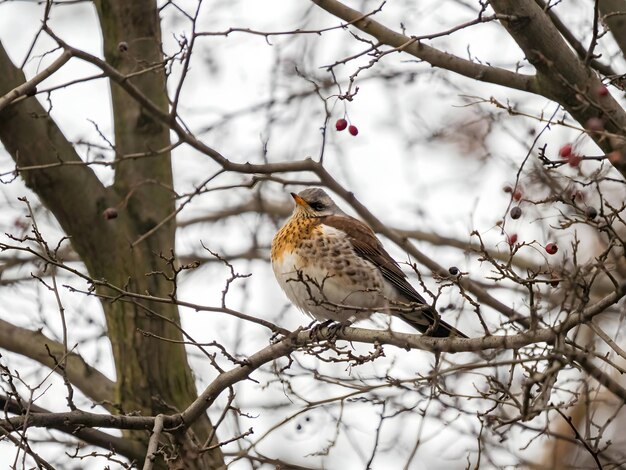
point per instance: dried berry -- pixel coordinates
(578, 195)
(516, 212)
(109, 213)
(594, 124)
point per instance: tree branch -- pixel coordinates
(73, 193)
(129, 449)
(614, 16)
(562, 76)
(30, 85)
(604, 69)
(435, 57)
(32, 344)
(298, 339)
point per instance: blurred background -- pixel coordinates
(439, 158)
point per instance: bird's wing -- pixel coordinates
(368, 246)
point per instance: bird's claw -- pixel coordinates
(333, 329)
(316, 330)
(338, 327)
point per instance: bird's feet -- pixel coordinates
(332, 326)
(338, 327)
(316, 330)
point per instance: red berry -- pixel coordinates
(511, 239)
(353, 130)
(603, 90)
(109, 213)
(517, 194)
(565, 151)
(574, 160)
(551, 248)
(341, 124)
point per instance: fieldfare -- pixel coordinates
(333, 267)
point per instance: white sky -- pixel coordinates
(407, 180)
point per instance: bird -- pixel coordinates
(333, 267)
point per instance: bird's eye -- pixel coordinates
(316, 206)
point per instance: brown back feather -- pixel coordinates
(369, 247)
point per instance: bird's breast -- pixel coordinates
(322, 274)
(291, 238)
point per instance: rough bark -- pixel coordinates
(614, 16)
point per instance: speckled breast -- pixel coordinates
(321, 274)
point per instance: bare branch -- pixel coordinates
(32, 344)
(427, 53)
(30, 86)
(153, 445)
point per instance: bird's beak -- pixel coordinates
(299, 200)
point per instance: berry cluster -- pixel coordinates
(341, 124)
(567, 152)
(516, 212)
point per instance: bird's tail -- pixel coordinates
(433, 327)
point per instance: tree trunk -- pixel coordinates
(153, 376)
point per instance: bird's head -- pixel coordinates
(314, 202)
